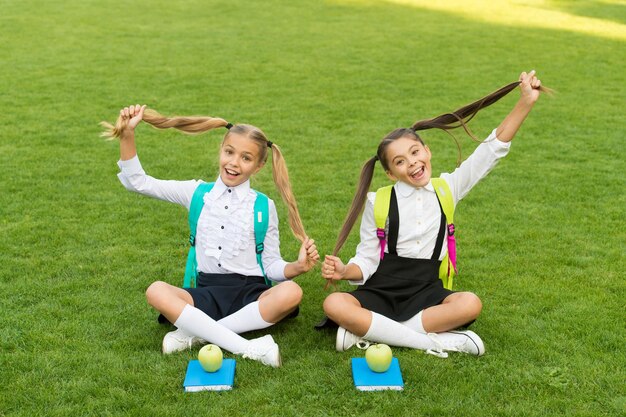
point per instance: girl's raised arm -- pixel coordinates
(131, 116)
(529, 87)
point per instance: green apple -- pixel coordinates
(210, 357)
(378, 357)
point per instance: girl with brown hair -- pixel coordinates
(400, 300)
(231, 296)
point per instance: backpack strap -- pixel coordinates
(441, 235)
(197, 203)
(444, 195)
(261, 222)
(381, 211)
(386, 207)
(394, 224)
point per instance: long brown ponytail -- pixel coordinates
(462, 116)
(445, 122)
(367, 172)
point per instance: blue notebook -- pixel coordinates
(197, 379)
(367, 380)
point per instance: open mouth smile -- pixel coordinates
(231, 172)
(417, 174)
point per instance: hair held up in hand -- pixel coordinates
(199, 124)
(187, 124)
(445, 122)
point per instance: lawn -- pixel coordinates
(541, 240)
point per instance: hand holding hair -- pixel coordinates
(308, 255)
(333, 268)
(186, 124)
(132, 115)
(530, 86)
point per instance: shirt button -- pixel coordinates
(230, 191)
(226, 207)
(222, 227)
(219, 247)
(220, 265)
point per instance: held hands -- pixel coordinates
(529, 87)
(308, 256)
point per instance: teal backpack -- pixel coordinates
(261, 220)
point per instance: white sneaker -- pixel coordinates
(465, 341)
(345, 340)
(264, 350)
(179, 340)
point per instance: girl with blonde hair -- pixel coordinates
(231, 295)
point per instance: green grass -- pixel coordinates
(541, 240)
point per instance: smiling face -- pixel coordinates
(408, 160)
(240, 158)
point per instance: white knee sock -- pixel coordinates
(195, 322)
(385, 330)
(246, 319)
(415, 323)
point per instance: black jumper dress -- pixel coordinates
(402, 287)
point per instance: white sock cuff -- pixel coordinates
(180, 321)
(418, 325)
(246, 319)
(195, 322)
(255, 308)
(385, 330)
(375, 324)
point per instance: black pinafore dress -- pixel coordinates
(402, 287)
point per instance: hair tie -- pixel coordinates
(228, 126)
(269, 143)
(376, 158)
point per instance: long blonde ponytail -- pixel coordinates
(186, 124)
(199, 124)
(279, 173)
(281, 179)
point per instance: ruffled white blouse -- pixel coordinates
(225, 235)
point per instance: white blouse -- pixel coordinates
(419, 211)
(225, 235)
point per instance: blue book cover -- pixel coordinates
(197, 379)
(367, 380)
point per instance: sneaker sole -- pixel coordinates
(341, 339)
(163, 350)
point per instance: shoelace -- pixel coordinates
(439, 350)
(254, 352)
(184, 340)
(251, 353)
(363, 344)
